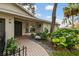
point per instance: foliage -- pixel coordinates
(70, 12)
(33, 35)
(11, 45)
(44, 35)
(39, 34)
(71, 9)
(65, 38)
(30, 6)
(65, 53)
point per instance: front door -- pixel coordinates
(2, 35)
(18, 28)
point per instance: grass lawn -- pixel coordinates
(65, 53)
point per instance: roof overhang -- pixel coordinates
(30, 15)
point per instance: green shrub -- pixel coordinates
(33, 35)
(11, 45)
(65, 53)
(43, 35)
(66, 38)
(39, 34)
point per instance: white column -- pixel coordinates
(9, 27)
(29, 27)
(23, 28)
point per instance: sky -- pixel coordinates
(44, 11)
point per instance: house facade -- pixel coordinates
(16, 21)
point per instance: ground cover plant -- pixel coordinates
(11, 45)
(65, 38)
(65, 42)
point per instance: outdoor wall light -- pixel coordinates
(9, 20)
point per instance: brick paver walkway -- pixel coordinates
(33, 48)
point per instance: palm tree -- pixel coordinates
(70, 12)
(77, 11)
(67, 14)
(53, 17)
(66, 21)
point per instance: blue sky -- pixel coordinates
(44, 11)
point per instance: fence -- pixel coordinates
(18, 52)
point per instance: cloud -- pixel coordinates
(48, 18)
(38, 15)
(49, 7)
(59, 21)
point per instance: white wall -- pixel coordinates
(23, 28)
(9, 25)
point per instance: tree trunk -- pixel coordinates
(53, 18)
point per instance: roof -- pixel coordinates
(24, 9)
(32, 14)
(42, 20)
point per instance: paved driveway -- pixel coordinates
(33, 48)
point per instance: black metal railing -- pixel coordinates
(18, 52)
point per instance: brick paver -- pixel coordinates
(33, 48)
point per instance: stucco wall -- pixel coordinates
(9, 25)
(27, 24)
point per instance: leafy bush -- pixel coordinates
(43, 35)
(11, 45)
(65, 53)
(39, 34)
(33, 35)
(65, 38)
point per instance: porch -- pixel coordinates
(26, 27)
